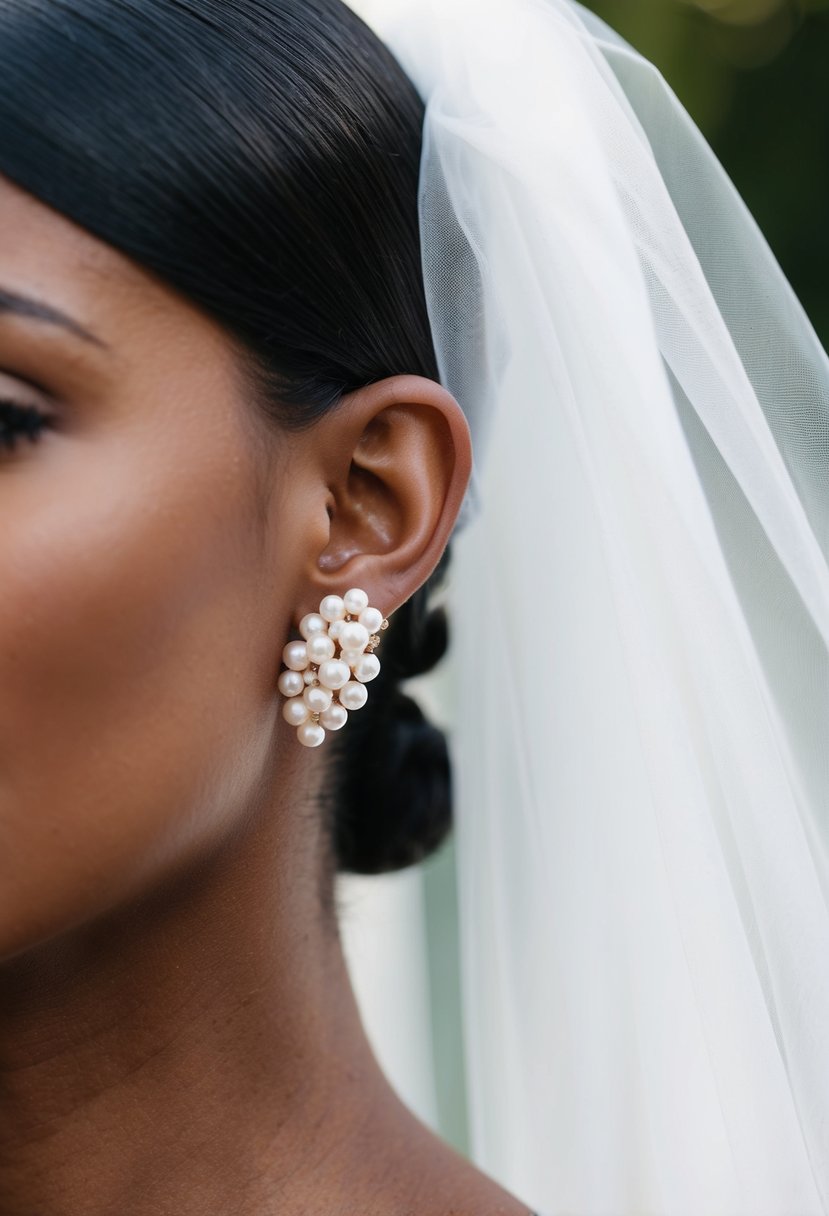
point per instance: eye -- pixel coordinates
(20, 421)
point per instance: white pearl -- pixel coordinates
(312, 623)
(317, 699)
(335, 629)
(335, 717)
(295, 656)
(355, 601)
(351, 656)
(291, 683)
(354, 636)
(353, 695)
(334, 673)
(372, 618)
(310, 676)
(310, 734)
(320, 647)
(295, 711)
(367, 668)
(332, 608)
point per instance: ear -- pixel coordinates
(394, 460)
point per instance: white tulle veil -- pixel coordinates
(640, 602)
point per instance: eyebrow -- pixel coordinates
(24, 306)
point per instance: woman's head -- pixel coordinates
(242, 416)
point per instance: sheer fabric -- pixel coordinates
(640, 598)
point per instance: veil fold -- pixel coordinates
(640, 606)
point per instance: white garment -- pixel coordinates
(640, 595)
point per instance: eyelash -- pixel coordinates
(19, 420)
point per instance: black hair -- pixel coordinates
(262, 158)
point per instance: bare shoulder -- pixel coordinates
(389, 1163)
(450, 1185)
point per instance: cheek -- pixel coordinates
(135, 684)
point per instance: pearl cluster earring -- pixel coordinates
(321, 685)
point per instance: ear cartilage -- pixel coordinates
(326, 672)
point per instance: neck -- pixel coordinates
(191, 1054)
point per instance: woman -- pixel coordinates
(206, 248)
(222, 404)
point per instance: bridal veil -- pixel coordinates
(640, 609)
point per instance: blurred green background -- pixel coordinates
(754, 75)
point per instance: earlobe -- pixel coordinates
(398, 459)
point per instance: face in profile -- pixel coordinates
(158, 545)
(138, 618)
(162, 533)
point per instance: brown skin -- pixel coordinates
(177, 1029)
